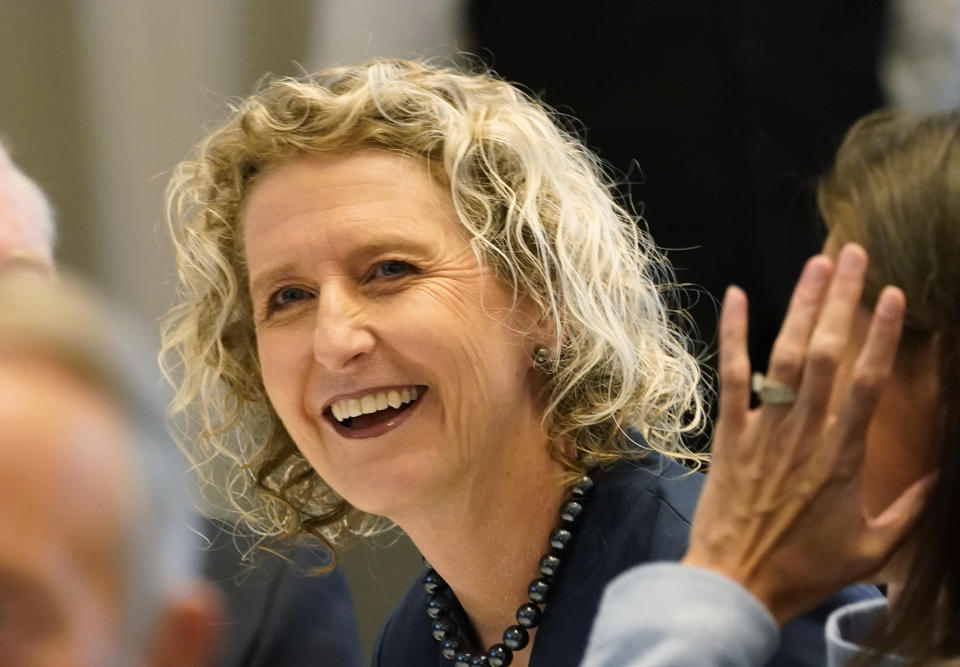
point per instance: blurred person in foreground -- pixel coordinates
(780, 527)
(276, 617)
(408, 296)
(98, 566)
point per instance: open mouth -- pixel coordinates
(373, 413)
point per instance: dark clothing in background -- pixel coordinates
(731, 110)
(640, 512)
(276, 615)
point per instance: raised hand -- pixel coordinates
(781, 512)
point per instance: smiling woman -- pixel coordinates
(365, 319)
(408, 296)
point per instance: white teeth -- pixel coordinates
(393, 398)
(370, 403)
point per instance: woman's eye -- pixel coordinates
(391, 268)
(287, 296)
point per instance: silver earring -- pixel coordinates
(543, 360)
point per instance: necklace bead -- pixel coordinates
(538, 589)
(437, 606)
(450, 647)
(529, 615)
(499, 655)
(433, 583)
(582, 487)
(549, 565)
(560, 539)
(570, 511)
(516, 637)
(444, 628)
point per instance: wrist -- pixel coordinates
(764, 593)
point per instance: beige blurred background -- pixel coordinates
(100, 98)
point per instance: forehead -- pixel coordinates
(351, 193)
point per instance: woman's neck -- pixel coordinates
(486, 539)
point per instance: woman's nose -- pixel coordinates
(340, 334)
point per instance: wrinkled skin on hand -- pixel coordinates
(782, 511)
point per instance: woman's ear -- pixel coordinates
(188, 628)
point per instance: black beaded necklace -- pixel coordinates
(454, 646)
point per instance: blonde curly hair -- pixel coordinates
(537, 208)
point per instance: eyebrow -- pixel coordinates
(265, 278)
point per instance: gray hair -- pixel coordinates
(60, 320)
(13, 183)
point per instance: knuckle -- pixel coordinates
(787, 361)
(866, 383)
(825, 355)
(734, 373)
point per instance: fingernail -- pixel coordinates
(818, 270)
(890, 304)
(852, 257)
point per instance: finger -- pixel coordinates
(829, 340)
(790, 347)
(893, 525)
(734, 360)
(871, 371)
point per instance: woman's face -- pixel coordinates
(902, 435)
(368, 299)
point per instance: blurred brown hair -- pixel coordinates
(895, 190)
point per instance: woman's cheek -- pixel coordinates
(282, 366)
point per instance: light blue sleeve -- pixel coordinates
(673, 615)
(850, 627)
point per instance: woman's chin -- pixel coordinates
(395, 493)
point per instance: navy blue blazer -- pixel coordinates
(640, 512)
